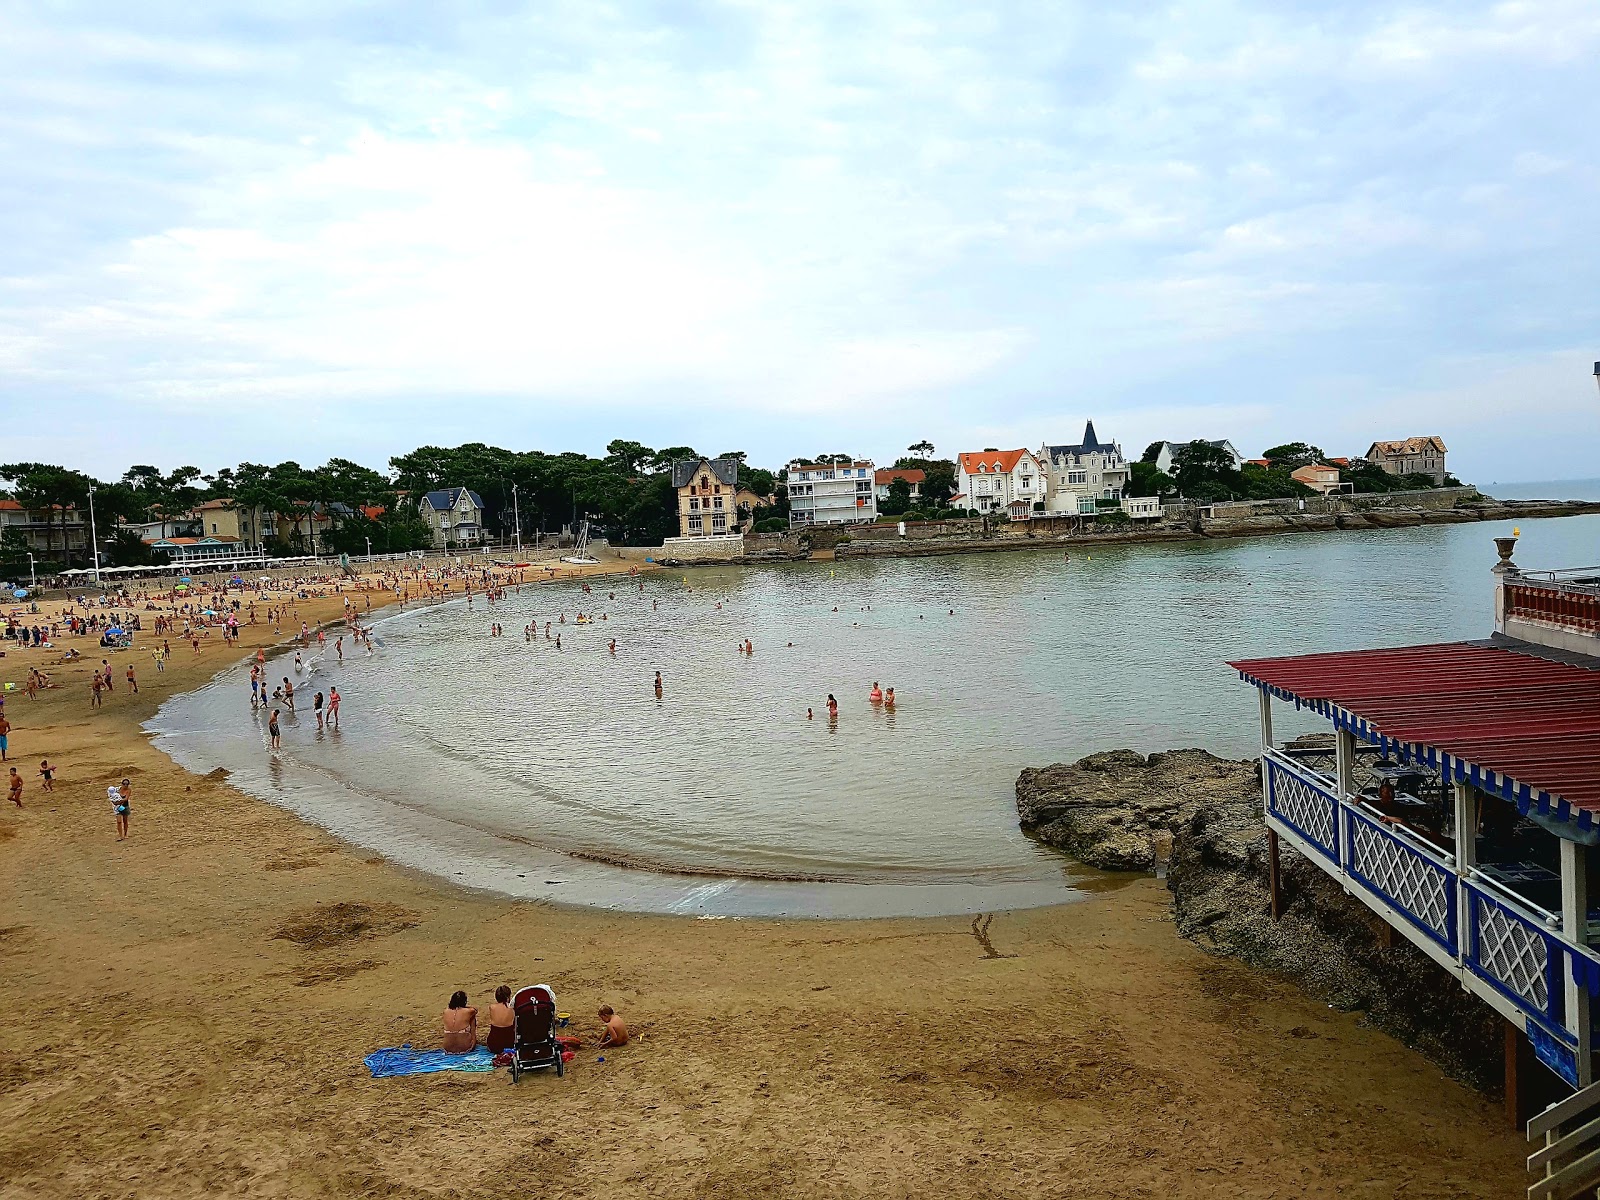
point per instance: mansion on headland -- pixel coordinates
(1085, 478)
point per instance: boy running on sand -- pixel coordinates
(15, 782)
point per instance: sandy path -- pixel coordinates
(165, 1039)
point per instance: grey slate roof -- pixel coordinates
(726, 470)
(444, 499)
(1090, 445)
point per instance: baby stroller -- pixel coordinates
(534, 1044)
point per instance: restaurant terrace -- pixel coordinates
(1459, 799)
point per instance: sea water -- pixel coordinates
(560, 774)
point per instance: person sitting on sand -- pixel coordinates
(460, 1026)
(616, 1033)
(502, 1021)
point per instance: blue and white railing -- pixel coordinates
(1505, 949)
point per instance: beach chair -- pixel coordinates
(534, 1044)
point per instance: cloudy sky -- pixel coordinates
(291, 229)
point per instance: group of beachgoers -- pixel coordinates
(119, 794)
(500, 1023)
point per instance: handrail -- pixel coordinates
(1563, 1111)
(1519, 905)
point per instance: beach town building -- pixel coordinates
(1089, 477)
(454, 516)
(223, 519)
(182, 551)
(831, 493)
(1168, 451)
(59, 532)
(708, 490)
(1002, 481)
(1322, 478)
(915, 477)
(1410, 456)
(1456, 793)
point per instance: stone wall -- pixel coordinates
(704, 549)
(1433, 499)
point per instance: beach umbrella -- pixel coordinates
(20, 593)
(115, 629)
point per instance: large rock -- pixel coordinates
(1118, 810)
(1326, 940)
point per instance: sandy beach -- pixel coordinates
(190, 1008)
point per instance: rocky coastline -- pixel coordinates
(1198, 817)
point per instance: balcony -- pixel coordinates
(1505, 949)
(1558, 609)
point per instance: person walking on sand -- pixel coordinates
(96, 686)
(15, 782)
(133, 684)
(121, 798)
(333, 707)
(5, 736)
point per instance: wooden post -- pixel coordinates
(1274, 894)
(1466, 804)
(1512, 1052)
(1266, 718)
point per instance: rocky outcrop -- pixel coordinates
(1201, 816)
(1119, 810)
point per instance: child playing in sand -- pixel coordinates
(48, 774)
(616, 1033)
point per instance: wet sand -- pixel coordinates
(189, 1009)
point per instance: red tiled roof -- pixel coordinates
(890, 474)
(1513, 723)
(992, 461)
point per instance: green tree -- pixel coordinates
(1152, 452)
(899, 499)
(922, 449)
(1206, 472)
(1292, 455)
(1145, 480)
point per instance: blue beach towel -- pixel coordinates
(403, 1060)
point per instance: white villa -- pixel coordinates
(831, 493)
(1168, 449)
(1090, 476)
(1008, 481)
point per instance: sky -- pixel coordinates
(302, 230)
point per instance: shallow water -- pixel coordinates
(560, 773)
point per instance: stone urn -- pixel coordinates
(1504, 546)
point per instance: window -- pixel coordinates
(717, 503)
(696, 524)
(694, 503)
(1077, 477)
(719, 523)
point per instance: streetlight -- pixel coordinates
(1597, 374)
(33, 573)
(369, 549)
(94, 541)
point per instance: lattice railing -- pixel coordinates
(1413, 882)
(1517, 956)
(1303, 802)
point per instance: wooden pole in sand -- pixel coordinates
(1273, 892)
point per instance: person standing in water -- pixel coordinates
(272, 730)
(333, 707)
(658, 683)
(833, 708)
(316, 705)
(875, 696)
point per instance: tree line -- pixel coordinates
(627, 494)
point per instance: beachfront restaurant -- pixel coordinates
(1459, 800)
